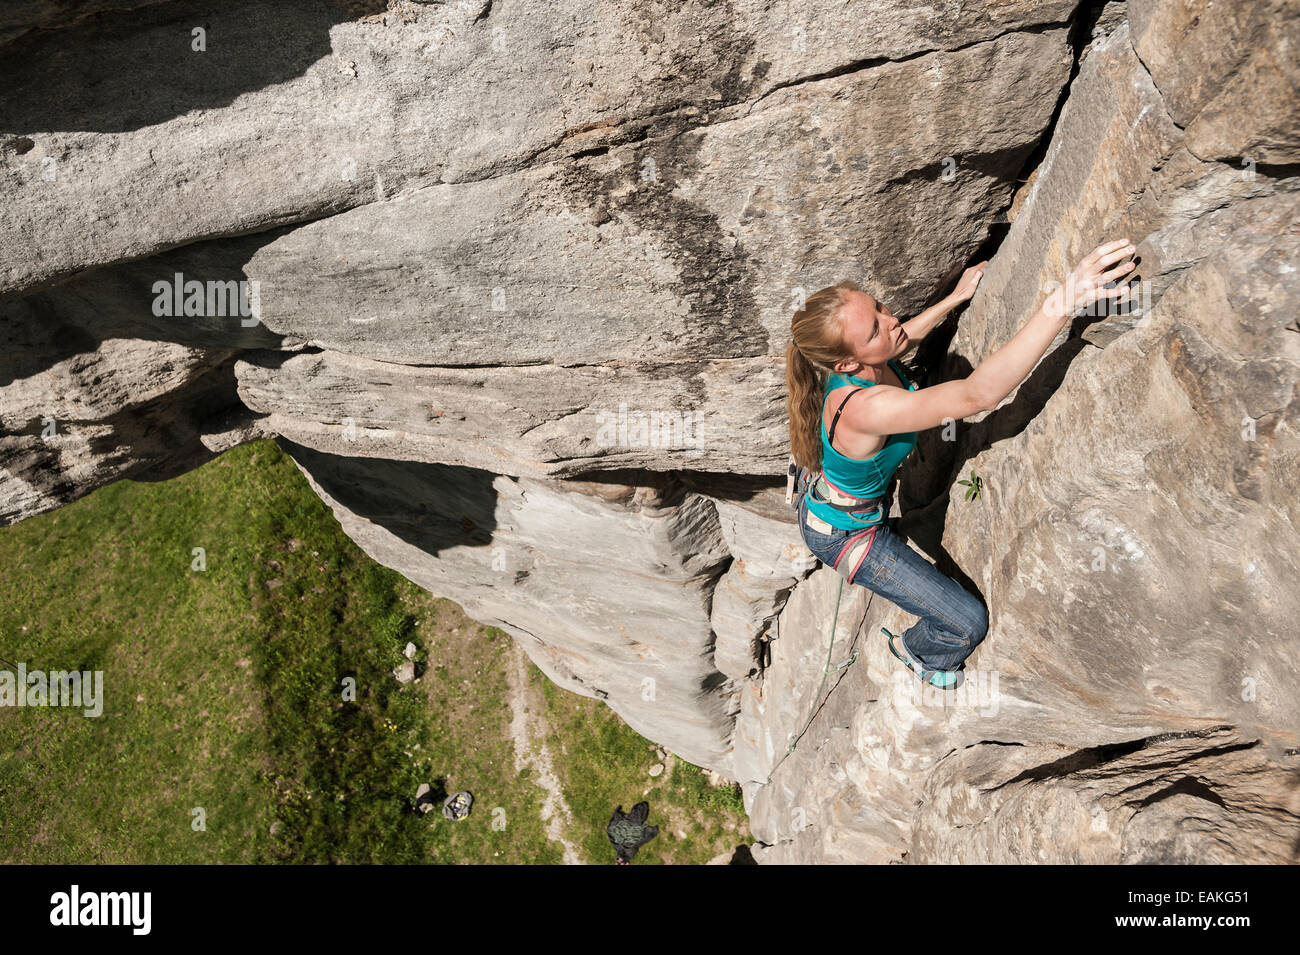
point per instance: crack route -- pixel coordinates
(871, 62)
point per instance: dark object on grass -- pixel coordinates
(457, 806)
(424, 801)
(629, 832)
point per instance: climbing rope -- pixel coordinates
(827, 670)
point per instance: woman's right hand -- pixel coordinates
(1085, 284)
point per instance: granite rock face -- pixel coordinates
(606, 587)
(512, 284)
(1135, 539)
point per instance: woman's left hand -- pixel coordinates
(969, 281)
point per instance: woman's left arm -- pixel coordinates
(917, 328)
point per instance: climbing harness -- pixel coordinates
(853, 550)
(800, 481)
(864, 510)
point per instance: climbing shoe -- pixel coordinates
(943, 679)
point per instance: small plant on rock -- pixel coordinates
(973, 486)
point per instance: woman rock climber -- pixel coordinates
(849, 449)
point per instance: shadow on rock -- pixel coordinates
(430, 506)
(113, 74)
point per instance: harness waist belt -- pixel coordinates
(824, 492)
(800, 482)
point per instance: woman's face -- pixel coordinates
(871, 330)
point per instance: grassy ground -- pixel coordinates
(250, 714)
(602, 763)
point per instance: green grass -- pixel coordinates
(602, 763)
(225, 692)
(106, 584)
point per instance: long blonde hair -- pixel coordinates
(816, 344)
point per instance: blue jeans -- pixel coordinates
(953, 621)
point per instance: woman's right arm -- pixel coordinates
(896, 411)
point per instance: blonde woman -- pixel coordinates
(854, 416)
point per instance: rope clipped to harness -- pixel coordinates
(846, 564)
(827, 670)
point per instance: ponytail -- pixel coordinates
(816, 343)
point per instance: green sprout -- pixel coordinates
(973, 486)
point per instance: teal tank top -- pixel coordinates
(861, 477)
